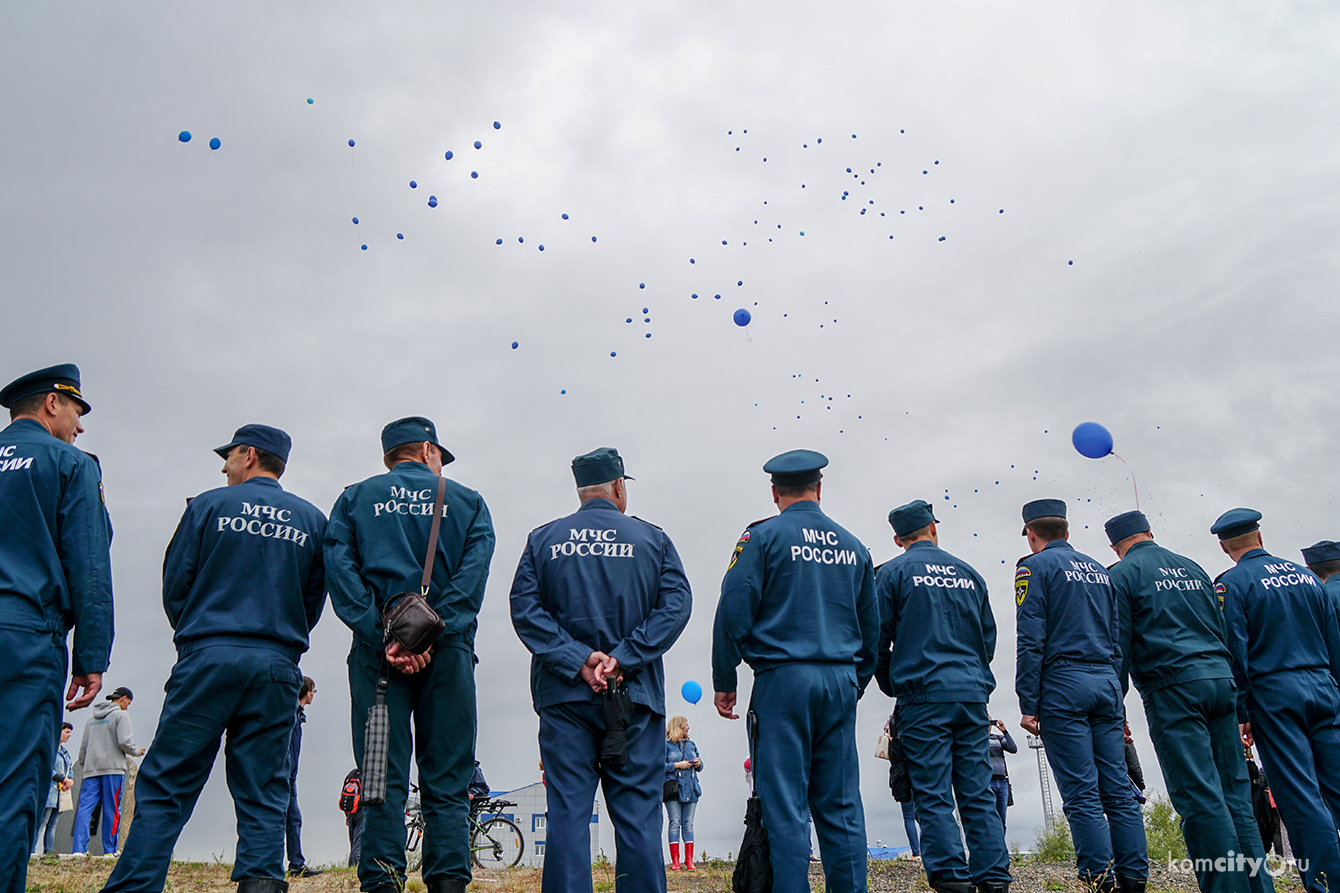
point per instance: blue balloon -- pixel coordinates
(215, 143)
(184, 136)
(541, 247)
(400, 235)
(593, 238)
(351, 144)
(692, 691)
(497, 125)
(413, 185)
(742, 317)
(310, 100)
(432, 201)
(474, 175)
(449, 155)
(478, 144)
(365, 248)
(565, 216)
(1092, 440)
(515, 345)
(355, 221)
(499, 242)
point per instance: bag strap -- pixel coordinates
(432, 535)
(751, 721)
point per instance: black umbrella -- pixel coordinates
(753, 868)
(618, 714)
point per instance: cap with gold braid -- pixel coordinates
(64, 379)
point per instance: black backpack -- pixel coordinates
(351, 795)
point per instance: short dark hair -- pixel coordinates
(796, 491)
(270, 463)
(1048, 528)
(32, 403)
(66, 725)
(402, 453)
(919, 533)
(1325, 569)
(307, 685)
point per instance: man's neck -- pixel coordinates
(785, 502)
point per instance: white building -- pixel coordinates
(531, 815)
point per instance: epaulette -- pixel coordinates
(1022, 560)
(760, 521)
(644, 521)
(94, 457)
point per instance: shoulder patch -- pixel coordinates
(1219, 590)
(739, 547)
(1021, 577)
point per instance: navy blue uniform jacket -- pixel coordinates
(1172, 630)
(937, 634)
(1280, 617)
(599, 580)
(377, 539)
(55, 542)
(1064, 610)
(246, 561)
(799, 588)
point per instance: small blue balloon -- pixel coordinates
(1070, 263)
(432, 201)
(692, 691)
(355, 221)
(499, 242)
(400, 235)
(184, 136)
(1092, 440)
(365, 248)
(449, 155)
(593, 238)
(515, 345)
(478, 144)
(215, 143)
(642, 285)
(413, 185)
(742, 317)
(565, 216)
(310, 100)
(474, 175)
(497, 125)
(351, 144)
(614, 353)
(541, 247)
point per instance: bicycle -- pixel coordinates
(495, 842)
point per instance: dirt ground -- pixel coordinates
(51, 875)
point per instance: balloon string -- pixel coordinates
(1133, 483)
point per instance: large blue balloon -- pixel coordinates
(1092, 440)
(692, 692)
(742, 317)
(184, 136)
(215, 143)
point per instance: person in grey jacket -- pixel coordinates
(1000, 743)
(61, 780)
(108, 740)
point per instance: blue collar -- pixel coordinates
(263, 481)
(26, 424)
(1058, 544)
(1254, 553)
(598, 503)
(1139, 545)
(804, 505)
(918, 543)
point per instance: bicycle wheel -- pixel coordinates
(414, 844)
(497, 843)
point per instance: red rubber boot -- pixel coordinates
(674, 857)
(688, 855)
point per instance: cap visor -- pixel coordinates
(447, 457)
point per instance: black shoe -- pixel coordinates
(261, 885)
(994, 887)
(1128, 884)
(304, 871)
(1099, 883)
(953, 887)
(447, 885)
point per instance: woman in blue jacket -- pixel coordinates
(682, 765)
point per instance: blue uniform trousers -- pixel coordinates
(440, 700)
(293, 828)
(1080, 714)
(948, 759)
(31, 676)
(1194, 726)
(571, 735)
(98, 792)
(1295, 717)
(806, 755)
(246, 693)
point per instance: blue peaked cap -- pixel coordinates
(1236, 522)
(63, 379)
(1042, 508)
(599, 466)
(913, 516)
(1124, 525)
(262, 437)
(1326, 550)
(413, 429)
(796, 467)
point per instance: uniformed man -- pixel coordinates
(1066, 678)
(242, 587)
(1323, 559)
(597, 596)
(375, 547)
(937, 636)
(1285, 642)
(55, 573)
(1174, 644)
(798, 605)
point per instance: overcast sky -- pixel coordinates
(1164, 265)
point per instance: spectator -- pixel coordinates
(108, 740)
(909, 808)
(351, 804)
(1000, 743)
(479, 786)
(682, 764)
(61, 780)
(297, 864)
